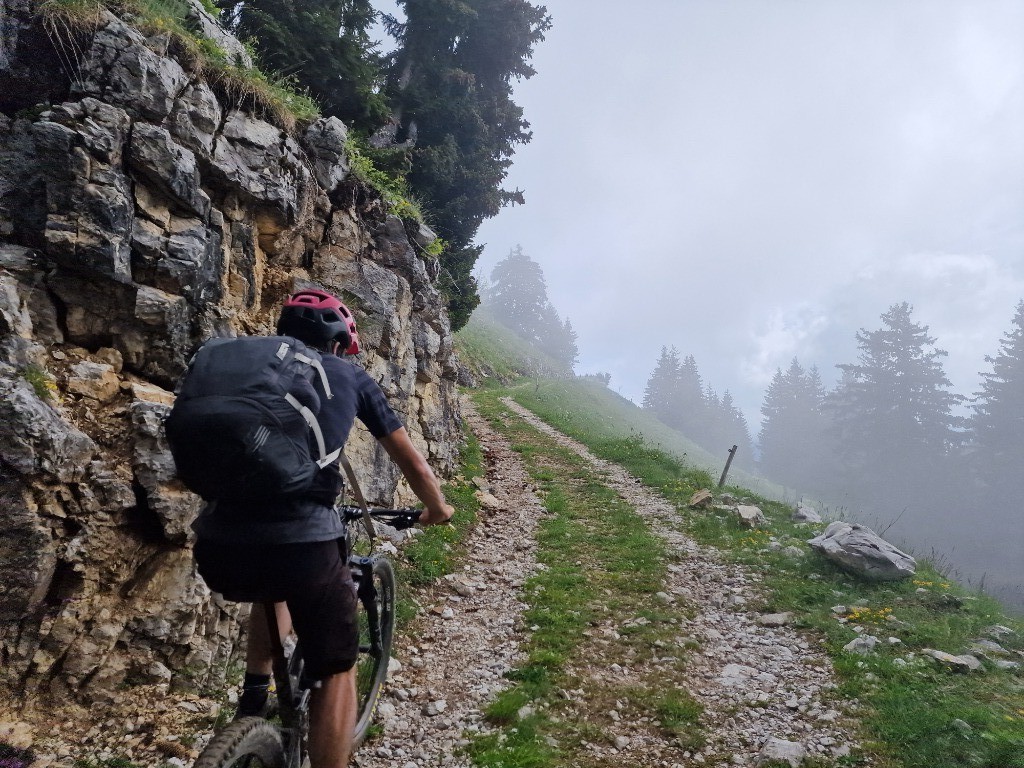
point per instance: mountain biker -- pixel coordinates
(288, 552)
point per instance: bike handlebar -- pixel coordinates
(396, 518)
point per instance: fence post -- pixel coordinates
(728, 463)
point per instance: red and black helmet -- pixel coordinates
(318, 318)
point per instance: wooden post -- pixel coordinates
(728, 463)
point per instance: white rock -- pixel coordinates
(783, 751)
(435, 708)
(862, 645)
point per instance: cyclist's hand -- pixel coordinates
(436, 516)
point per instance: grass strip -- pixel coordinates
(435, 551)
(594, 629)
(916, 714)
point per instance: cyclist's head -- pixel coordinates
(317, 318)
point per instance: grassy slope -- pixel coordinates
(586, 406)
(914, 713)
(493, 353)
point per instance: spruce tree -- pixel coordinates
(450, 87)
(518, 298)
(893, 410)
(325, 46)
(792, 431)
(997, 425)
(662, 386)
(736, 431)
(518, 293)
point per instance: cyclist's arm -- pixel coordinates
(420, 476)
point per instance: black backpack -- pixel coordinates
(244, 424)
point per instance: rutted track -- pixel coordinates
(755, 682)
(467, 636)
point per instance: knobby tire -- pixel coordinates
(371, 669)
(250, 742)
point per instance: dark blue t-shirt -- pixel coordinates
(311, 518)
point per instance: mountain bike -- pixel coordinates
(256, 742)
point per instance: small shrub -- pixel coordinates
(42, 384)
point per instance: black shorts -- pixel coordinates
(310, 577)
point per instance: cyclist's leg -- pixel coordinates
(259, 653)
(332, 719)
(259, 658)
(324, 616)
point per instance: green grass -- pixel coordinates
(909, 711)
(608, 423)
(497, 356)
(274, 97)
(436, 551)
(42, 384)
(600, 564)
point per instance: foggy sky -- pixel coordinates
(750, 181)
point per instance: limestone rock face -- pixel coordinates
(860, 550)
(142, 212)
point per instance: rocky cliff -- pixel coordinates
(141, 212)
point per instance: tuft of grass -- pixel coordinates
(63, 16)
(275, 97)
(434, 552)
(393, 187)
(44, 386)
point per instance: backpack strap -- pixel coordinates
(318, 366)
(325, 457)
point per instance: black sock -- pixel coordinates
(253, 680)
(255, 689)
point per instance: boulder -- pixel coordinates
(863, 645)
(965, 663)
(35, 438)
(860, 550)
(750, 516)
(324, 140)
(805, 514)
(701, 499)
(96, 381)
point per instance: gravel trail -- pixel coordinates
(756, 682)
(455, 655)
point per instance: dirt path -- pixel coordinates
(756, 682)
(454, 658)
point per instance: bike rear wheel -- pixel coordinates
(377, 611)
(250, 742)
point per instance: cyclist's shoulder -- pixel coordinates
(347, 369)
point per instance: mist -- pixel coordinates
(752, 183)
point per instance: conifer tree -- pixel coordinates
(793, 426)
(450, 86)
(660, 392)
(519, 293)
(997, 425)
(893, 410)
(325, 45)
(518, 298)
(569, 351)
(736, 431)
